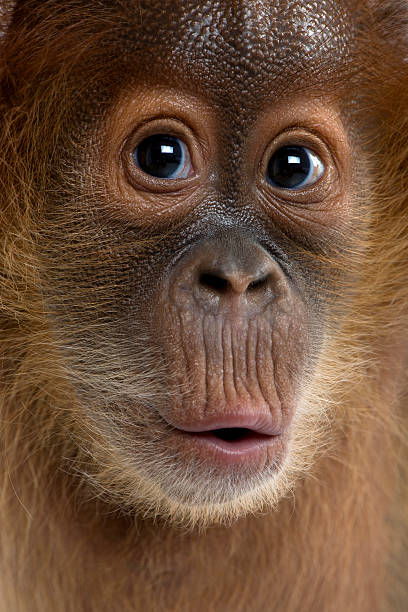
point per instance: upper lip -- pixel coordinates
(261, 422)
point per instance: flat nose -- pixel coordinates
(223, 279)
(232, 273)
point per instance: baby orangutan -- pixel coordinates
(203, 305)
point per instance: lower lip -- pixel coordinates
(254, 450)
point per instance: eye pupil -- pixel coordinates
(160, 155)
(291, 167)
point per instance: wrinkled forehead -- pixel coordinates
(238, 46)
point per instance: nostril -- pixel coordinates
(214, 282)
(260, 283)
(219, 284)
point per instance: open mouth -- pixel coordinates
(232, 444)
(234, 434)
(241, 438)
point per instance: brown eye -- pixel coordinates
(163, 156)
(294, 167)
